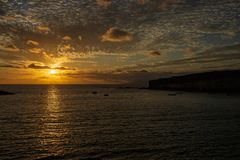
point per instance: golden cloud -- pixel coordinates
(154, 53)
(38, 66)
(35, 50)
(32, 43)
(9, 48)
(117, 35)
(189, 50)
(43, 29)
(67, 38)
(104, 3)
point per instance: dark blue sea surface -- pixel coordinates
(70, 122)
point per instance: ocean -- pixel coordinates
(72, 122)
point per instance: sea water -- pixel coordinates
(70, 122)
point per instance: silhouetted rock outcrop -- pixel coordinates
(5, 93)
(217, 81)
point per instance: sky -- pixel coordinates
(115, 41)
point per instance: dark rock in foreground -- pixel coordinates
(217, 81)
(5, 93)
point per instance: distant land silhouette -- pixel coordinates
(5, 93)
(216, 81)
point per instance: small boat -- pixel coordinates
(172, 94)
(94, 92)
(106, 95)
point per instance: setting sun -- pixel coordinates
(53, 71)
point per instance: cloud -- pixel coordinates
(222, 49)
(133, 77)
(6, 43)
(36, 66)
(8, 66)
(104, 3)
(66, 38)
(189, 50)
(35, 50)
(142, 2)
(218, 56)
(169, 26)
(66, 47)
(9, 48)
(165, 4)
(32, 43)
(2, 8)
(154, 53)
(162, 5)
(2, 12)
(62, 68)
(117, 35)
(43, 29)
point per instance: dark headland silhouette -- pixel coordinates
(216, 81)
(5, 93)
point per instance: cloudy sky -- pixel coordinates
(115, 41)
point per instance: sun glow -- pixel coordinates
(53, 71)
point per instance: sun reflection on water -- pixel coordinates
(53, 99)
(54, 126)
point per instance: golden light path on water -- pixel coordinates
(54, 128)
